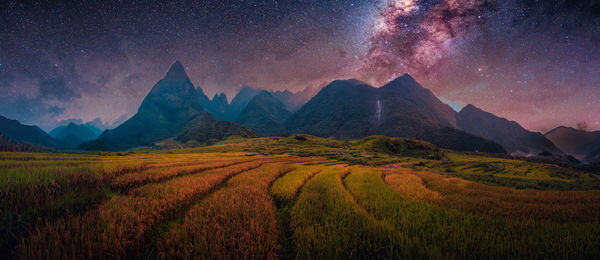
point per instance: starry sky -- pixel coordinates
(535, 62)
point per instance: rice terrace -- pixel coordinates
(319, 199)
(300, 129)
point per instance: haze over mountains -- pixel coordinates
(512, 136)
(345, 109)
(583, 145)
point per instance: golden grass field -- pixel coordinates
(232, 202)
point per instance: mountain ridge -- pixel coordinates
(579, 143)
(510, 134)
(172, 104)
(350, 109)
(264, 114)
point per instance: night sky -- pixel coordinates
(535, 62)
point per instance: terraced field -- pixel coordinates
(214, 204)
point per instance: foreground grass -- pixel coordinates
(328, 224)
(286, 187)
(210, 202)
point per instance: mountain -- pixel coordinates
(350, 109)
(17, 132)
(171, 105)
(578, 143)
(512, 136)
(82, 132)
(264, 114)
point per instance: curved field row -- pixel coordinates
(118, 225)
(424, 230)
(328, 224)
(285, 188)
(236, 222)
(157, 174)
(284, 191)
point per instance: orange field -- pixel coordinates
(241, 205)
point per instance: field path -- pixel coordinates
(237, 221)
(118, 226)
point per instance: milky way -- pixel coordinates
(536, 62)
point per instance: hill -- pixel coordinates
(204, 127)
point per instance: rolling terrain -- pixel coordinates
(295, 197)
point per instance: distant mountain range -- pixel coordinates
(220, 108)
(345, 109)
(583, 145)
(68, 137)
(18, 132)
(83, 132)
(72, 135)
(349, 109)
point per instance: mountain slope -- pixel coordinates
(342, 109)
(93, 128)
(578, 143)
(57, 130)
(168, 109)
(70, 141)
(512, 136)
(17, 132)
(350, 109)
(264, 114)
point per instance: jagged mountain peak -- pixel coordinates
(469, 107)
(176, 72)
(351, 81)
(219, 97)
(404, 81)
